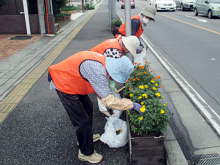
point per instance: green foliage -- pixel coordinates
(56, 9)
(90, 7)
(61, 3)
(62, 15)
(69, 8)
(142, 87)
(2, 3)
(117, 22)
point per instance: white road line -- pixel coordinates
(198, 19)
(195, 97)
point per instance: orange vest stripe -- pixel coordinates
(111, 43)
(66, 75)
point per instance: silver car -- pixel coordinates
(211, 8)
(185, 4)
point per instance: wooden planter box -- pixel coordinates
(145, 150)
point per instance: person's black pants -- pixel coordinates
(80, 111)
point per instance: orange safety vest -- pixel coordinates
(111, 43)
(66, 74)
(138, 33)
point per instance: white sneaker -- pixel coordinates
(94, 158)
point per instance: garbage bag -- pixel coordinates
(115, 134)
(140, 58)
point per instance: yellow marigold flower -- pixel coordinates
(165, 104)
(157, 94)
(143, 106)
(120, 130)
(156, 85)
(131, 95)
(144, 95)
(142, 103)
(141, 118)
(140, 97)
(142, 109)
(152, 81)
(141, 87)
(162, 111)
(145, 86)
(154, 88)
(163, 97)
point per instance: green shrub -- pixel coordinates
(142, 87)
(69, 8)
(62, 15)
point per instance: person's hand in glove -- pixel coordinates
(137, 108)
(112, 85)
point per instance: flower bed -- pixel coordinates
(142, 87)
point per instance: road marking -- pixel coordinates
(202, 105)
(198, 19)
(186, 22)
(18, 93)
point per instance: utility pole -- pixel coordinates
(128, 24)
(26, 15)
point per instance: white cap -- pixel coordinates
(131, 43)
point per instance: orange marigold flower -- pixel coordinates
(135, 63)
(127, 81)
(131, 78)
(135, 69)
(144, 72)
(159, 77)
(153, 79)
(151, 71)
(138, 74)
(160, 86)
(138, 79)
(146, 61)
(129, 88)
(134, 79)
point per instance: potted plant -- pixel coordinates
(116, 23)
(145, 137)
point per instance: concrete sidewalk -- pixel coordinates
(34, 124)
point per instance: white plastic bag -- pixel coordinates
(139, 58)
(110, 137)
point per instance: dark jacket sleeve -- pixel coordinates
(135, 23)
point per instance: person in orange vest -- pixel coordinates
(138, 22)
(115, 48)
(84, 73)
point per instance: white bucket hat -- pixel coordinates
(149, 11)
(119, 69)
(131, 43)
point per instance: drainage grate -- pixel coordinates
(213, 159)
(21, 37)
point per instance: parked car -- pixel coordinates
(163, 4)
(185, 4)
(211, 8)
(123, 4)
